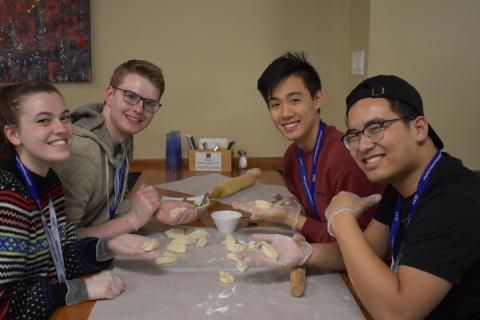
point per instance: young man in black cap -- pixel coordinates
(428, 216)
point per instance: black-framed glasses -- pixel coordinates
(132, 99)
(373, 132)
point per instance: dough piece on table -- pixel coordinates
(200, 236)
(165, 258)
(269, 251)
(262, 204)
(225, 277)
(199, 233)
(252, 244)
(151, 244)
(186, 239)
(175, 233)
(242, 266)
(176, 211)
(232, 245)
(229, 238)
(177, 246)
(201, 242)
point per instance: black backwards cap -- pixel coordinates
(391, 87)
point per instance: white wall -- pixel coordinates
(434, 44)
(212, 53)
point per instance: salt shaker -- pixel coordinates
(242, 159)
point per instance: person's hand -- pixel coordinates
(105, 285)
(280, 200)
(290, 252)
(144, 203)
(284, 211)
(189, 214)
(131, 245)
(347, 202)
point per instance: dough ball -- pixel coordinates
(252, 244)
(232, 245)
(202, 242)
(225, 277)
(186, 239)
(262, 204)
(176, 211)
(177, 246)
(174, 233)
(241, 266)
(165, 258)
(151, 244)
(199, 233)
(269, 251)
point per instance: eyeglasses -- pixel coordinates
(132, 99)
(373, 132)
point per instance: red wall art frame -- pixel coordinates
(45, 40)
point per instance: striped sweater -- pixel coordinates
(29, 288)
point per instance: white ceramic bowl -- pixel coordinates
(196, 200)
(226, 221)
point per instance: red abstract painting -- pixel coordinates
(45, 40)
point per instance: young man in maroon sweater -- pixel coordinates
(316, 165)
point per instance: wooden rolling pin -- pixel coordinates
(298, 274)
(236, 184)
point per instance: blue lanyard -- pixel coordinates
(117, 185)
(310, 189)
(52, 233)
(424, 179)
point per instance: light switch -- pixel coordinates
(358, 58)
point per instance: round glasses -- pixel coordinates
(132, 99)
(373, 132)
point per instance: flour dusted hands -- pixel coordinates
(143, 205)
(105, 285)
(347, 202)
(283, 211)
(291, 253)
(174, 212)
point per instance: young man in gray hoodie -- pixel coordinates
(95, 176)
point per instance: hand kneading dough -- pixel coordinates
(176, 211)
(269, 251)
(225, 277)
(165, 258)
(151, 244)
(262, 204)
